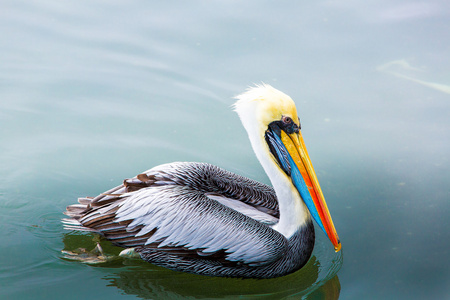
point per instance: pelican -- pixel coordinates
(199, 218)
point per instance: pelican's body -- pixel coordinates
(198, 218)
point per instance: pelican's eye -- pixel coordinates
(288, 125)
(286, 120)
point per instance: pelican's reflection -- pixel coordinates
(151, 282)
(317, 280)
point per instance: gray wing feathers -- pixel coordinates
(186, 218)
(191, 209)
(211, 179)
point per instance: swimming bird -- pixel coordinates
(202, 219)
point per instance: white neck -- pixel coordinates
(293, 211)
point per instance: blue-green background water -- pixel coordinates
(92, 92)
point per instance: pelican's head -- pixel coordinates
(271, 120)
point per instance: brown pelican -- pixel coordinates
(199, 218)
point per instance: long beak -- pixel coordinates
(316, 202)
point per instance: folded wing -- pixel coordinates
(168, 210)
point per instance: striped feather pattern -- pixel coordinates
(169, 215)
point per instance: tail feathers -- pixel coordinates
(95, 208)
(72, 224)
(85, 200)
(90, 210)
(75, 210)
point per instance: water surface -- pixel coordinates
(92, 92)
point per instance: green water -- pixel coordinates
(92, 92)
